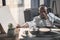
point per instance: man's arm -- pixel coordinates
(25, 25)
(55, 18)
(29, 24)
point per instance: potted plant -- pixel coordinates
(10, 30)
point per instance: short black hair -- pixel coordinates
(50, 10)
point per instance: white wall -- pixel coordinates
(18, 12)
(6, 18)
(27, 4)
(21, 15)
(0, 3)
(13, 7)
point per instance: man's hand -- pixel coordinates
(25, 25)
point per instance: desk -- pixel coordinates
(5, 37)
(42, 37)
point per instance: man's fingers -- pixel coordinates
(25, 25)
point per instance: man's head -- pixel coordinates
(43, 12)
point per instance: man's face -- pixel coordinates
(43, 12)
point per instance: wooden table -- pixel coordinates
(6, 37)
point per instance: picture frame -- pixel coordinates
(20, 3)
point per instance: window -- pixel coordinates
(4, 2)
(20, 3)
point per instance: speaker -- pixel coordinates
(4, 2)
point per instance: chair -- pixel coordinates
(1, 29)
(29, 14)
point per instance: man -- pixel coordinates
(44, 16)
(43, 20)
